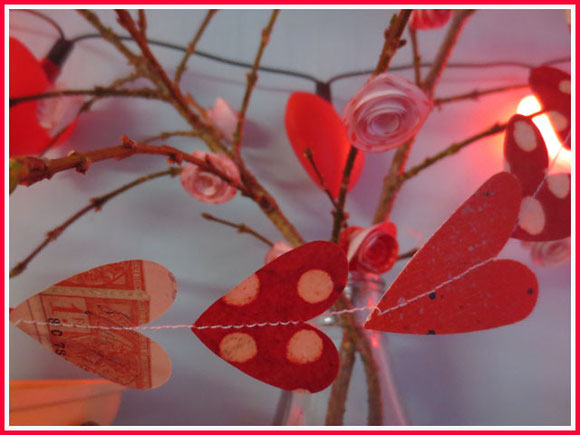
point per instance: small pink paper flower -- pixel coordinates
(425, 19)
(385, 113)
(224, 118)
(208, 187)
(277, 249)
(372, 250)
(549, 253)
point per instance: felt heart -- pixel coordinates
(453, 283)
(546, 213)
(312, 122)
(553, 88)
(258, 327)
(74, 317)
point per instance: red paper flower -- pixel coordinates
(30, 130)
(385, 113)
(425, 19)
(374, 249)
(208, 187)
(277, 249)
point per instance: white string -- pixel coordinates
(297, 322)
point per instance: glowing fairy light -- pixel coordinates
(530, 105)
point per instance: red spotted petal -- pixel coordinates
(553, 88)
(454, 269)
(269, 309)
(312, 122)
(125, 294)
(545, 215)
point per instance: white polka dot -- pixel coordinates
(238, 347)
(565, 87)
(304, 347)
(524, 136)
(559, 185)
(559, 121)
(532, 218)
(506, 166)
(315, 286)
(244, 293)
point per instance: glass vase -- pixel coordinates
(297, 409)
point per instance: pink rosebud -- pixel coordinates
(373, 250)
(277, 249)
(224, 118)
(208, 187)
(385, 113)
(549, 253)
(425, 19)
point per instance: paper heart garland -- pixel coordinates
(125, 294)
(453, 283)
(312, 122)
(545, 215)
(553, 88)
(281, 349)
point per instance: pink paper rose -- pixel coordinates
(224, 118)
(277, 249)
(208, 187)
(549, 253)
(385, 113)
(372, 250)
(425, 19)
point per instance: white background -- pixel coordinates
(515, 375)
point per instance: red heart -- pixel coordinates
(27, 77)
(266, 336)
(545, 215)
(126, 294)
(553, 88)
(312, 122)
(453, 283)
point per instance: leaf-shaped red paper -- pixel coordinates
(553, 88)
(125, 294)
(312, 122)
(545, 215)
(452, 284)
(266, 336)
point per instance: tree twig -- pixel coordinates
(97, 91)
(252, 78)
(168, 134)
(459, 19)
(390, 182)
(449, 151)
(339, 391)
(416, 56)
(310, 157)
(207, 133)
(192, 45)
(407, 254)
(29, 170)
(392, 39)
(94, 204)
(476, 93)
(241, 227)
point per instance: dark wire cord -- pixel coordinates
(45, 18)
(334, 78)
